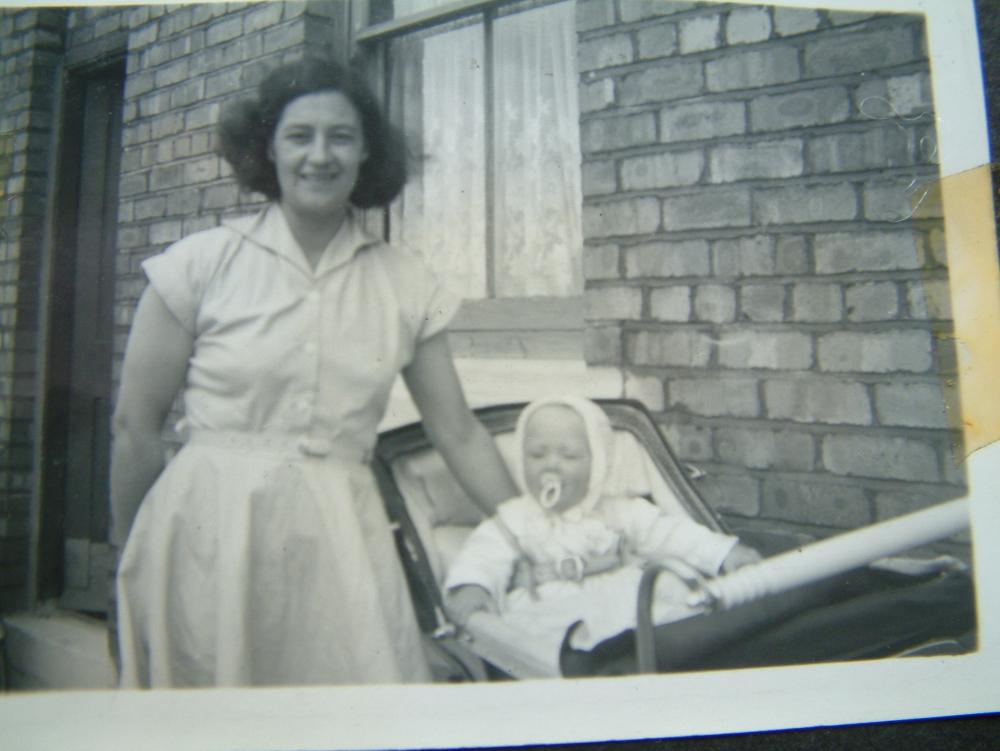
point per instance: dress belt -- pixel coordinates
(315, 447)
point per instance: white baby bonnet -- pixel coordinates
(599, 437)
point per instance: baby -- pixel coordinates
(583, 548)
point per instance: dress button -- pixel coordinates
(315, 446)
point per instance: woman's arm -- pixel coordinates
(156, 359)
(467, 447)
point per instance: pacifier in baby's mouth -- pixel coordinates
(551, 490)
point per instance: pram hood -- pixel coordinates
(600, 439)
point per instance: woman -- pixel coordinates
(261, 554)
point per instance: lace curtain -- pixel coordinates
(439, 97)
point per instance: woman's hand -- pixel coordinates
(740, 556)
(462, 601)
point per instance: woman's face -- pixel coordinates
(555, 442)
(317, 148)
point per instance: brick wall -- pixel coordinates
(752, 258)
(30, 45)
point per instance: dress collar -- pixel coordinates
(269, 229)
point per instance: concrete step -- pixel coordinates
(56, 651)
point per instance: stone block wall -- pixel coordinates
(753, 258)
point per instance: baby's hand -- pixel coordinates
(461, 602)
(740, 556)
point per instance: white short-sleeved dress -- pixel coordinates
(262, 554)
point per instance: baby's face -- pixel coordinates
(555, 442)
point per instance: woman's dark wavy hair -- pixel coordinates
(246, 129)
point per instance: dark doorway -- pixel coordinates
(73, 560)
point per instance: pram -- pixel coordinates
(876, 611)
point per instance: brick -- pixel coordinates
(822, 503)
(744, 256)
(198, 223)
(602, 345)
(914, 405)
(668, 170)
(204, 115)
(594, 14)
(187, 93)
(283, 37)
(907, 350)
(604, 52)
(183, 202)
(639, 10)
(598, 178)
(752, 70)
(224, 30)
(765, 349)
(817, 303)
(889, 200)
(668, 259)
(620, 132)
(805, 204)
(597, 95)
(703, 120)
(689, 441)
(166, 176)
(748, 25)
(138, 84)
(736, 494)
(716, 397)
(751, 161)
(646, 389)
(166, 125)
(165, 232)
(929, 300)
(817, 401)
(657, 41)
(170, 74)
(800, 109)
(910, 95)
(132, 237)
(790, 256)
(607, 303)
(671, 80)
(839, 252)
(225, 82)
(859, 51)
(715, 303)
(201, 170)
(880, 457)
(150, 208)
(600, 262)
(707, 210)
(765, 449)
(700, 33)
(639, 216)
(670, 303)
(683, 347)
(874, 148)
(872, 301)
(144, 36)
(131, 185)
(219, 197)
(262, 17)
(790, 21)
(154, 104)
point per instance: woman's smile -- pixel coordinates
(317, 149)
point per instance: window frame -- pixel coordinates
(542, 327)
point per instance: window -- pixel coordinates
(487, 96)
